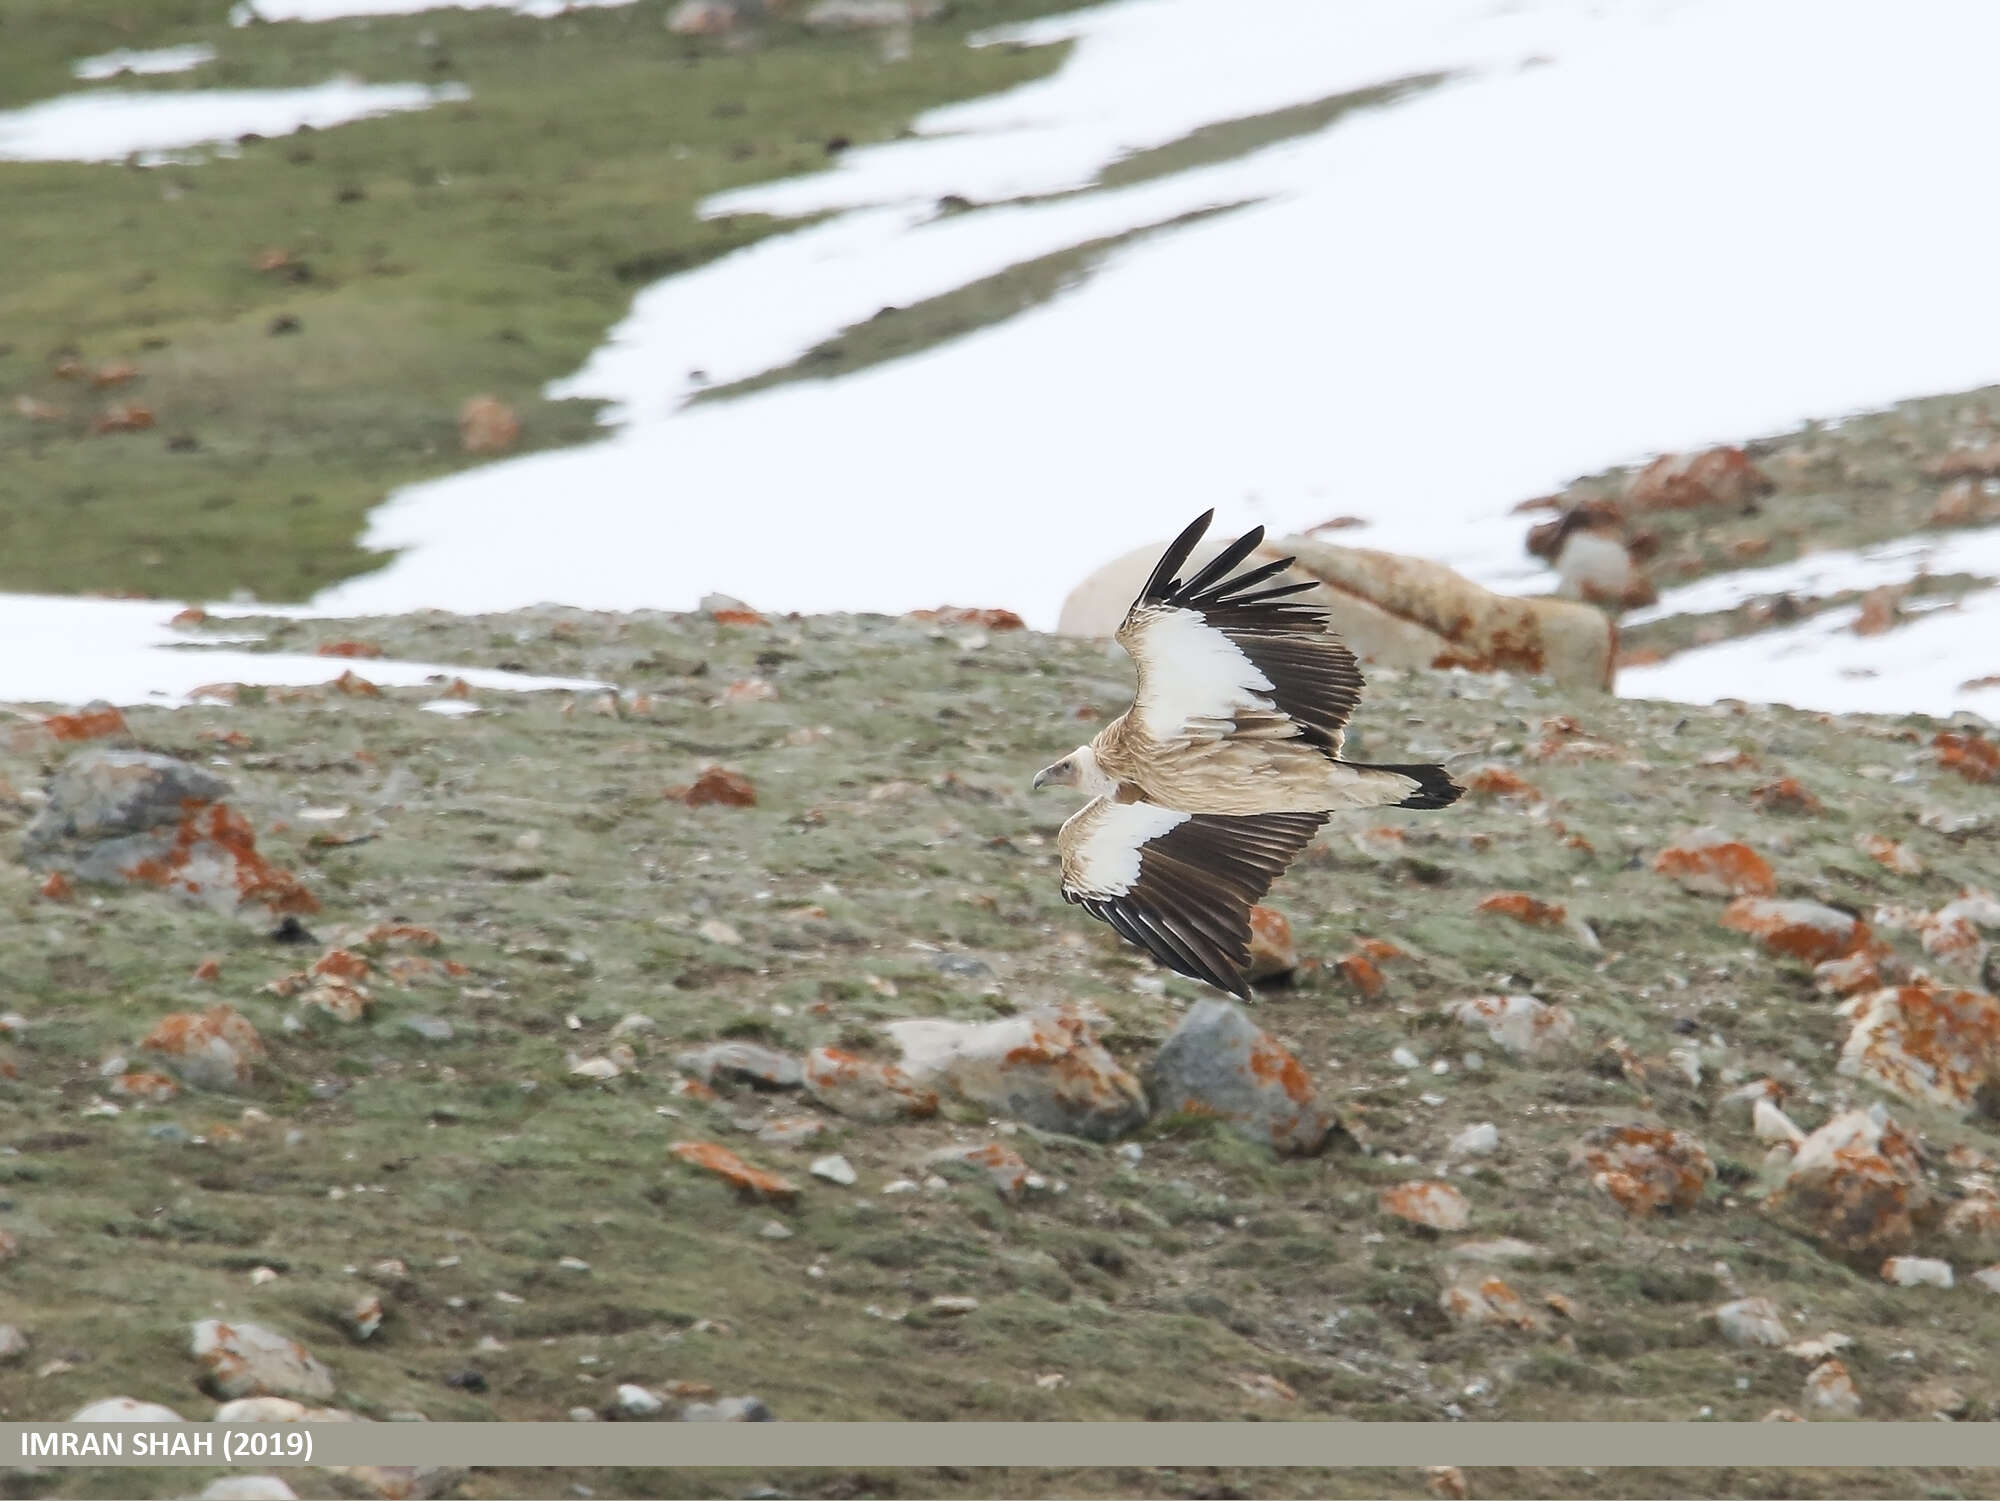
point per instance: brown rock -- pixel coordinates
(487, 424)
(1879, 611)
(218, 1049)
(989, 619)
(1889, 854)
(1709, 865)
(1435, 1206)
(1716, 477)
(1524, 908)
(1785, 796)
(1807, 931)
(1489, 1301)
(1858, 1187)
(1970, 754)
(754, 1182)
(1646, 1168)
(1272, 951)
(716, 785)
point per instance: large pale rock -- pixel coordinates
(1929, 1045)
(1219, 1062)
(1858, 1187)
(133, 818)
(865, 1088)
(1045, 1068)
(249, 1360)
(1398, 611)
(215, 1049)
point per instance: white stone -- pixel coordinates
(835, 1169)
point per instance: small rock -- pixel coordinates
(1988, 1277)
(124, 1410)
(1219, 1062)
(953, 1307)
(1435, 1206)
(1889, 854)
(1045, 1068)
(595, 1070)
(487, 424)
(1807, 931)
(1916, 1271)
(717, 786)
(728, 1410)
(1272, 950)
(248, 1488)
(1709, 865)
(278, 1410)
(1505, 1248)
(726, 1165)
(1446, 1482)
(1752, 1321)
(1831, 1389)
(637, 1402)
(790, 1130)
(773, 1230)
(1938, 1398)
(1520, 1024)
(1598, 568)
(364, 1316)
(13, 1345)
(1771, 1124)
(1489, 1301)
(855, 15)
(218, 1049)
(1717, 477)
(765, 1068)
(249, 1360)
(1646, 1168)
(1004, 1167)
(702, 18)
(835, 1169)
(1482, 1140)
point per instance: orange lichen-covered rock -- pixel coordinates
(1272, 950)
(1807, 931)
(1434, 1206)
(865, 1088)
(249, 1360)
(1499, 782)
(1524, 908)
(1490, 1301)
(989, 619)
(1646, 1168)
(1932, 1046)
(1045, 1067)
(1362, 973)
(58, 888)
(725, 1164)
(487, 424)
(353, 649)
(341, 964)
(1715, 477)
(141, 1085)
(1889, 854)
(1857, 1185)
(1521, 1024)
(1709, 865)
(1219, 1062)
(1785, 796)
(1970, 754)
(87, 724)
(216, 1049)
(1004, 1167)
(716, 785)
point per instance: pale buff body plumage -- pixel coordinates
(1225, 766)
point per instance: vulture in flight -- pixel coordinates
(1226, 765)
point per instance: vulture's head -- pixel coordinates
(1078, 769)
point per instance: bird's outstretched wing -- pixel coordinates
(1221, 657)
(1180, 885)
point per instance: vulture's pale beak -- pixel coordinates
(1046, 776)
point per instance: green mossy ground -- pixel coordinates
(537, 839)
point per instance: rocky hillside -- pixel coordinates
(722, 1045)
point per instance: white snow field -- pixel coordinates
(1613, 229)
(109, 125)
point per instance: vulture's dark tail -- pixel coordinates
(1435, 788)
